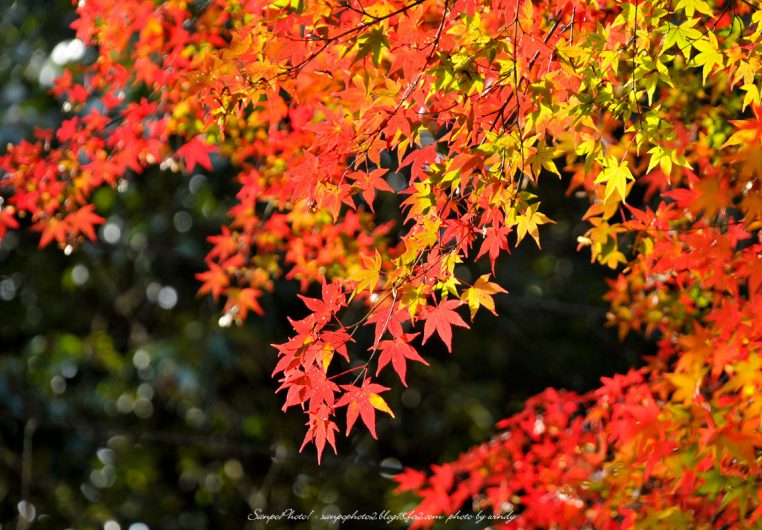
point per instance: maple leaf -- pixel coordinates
(752, 96)
(196, 152)
(83, 221)
(691, 6)
(52, 229)
(409, 480)
(67, 129)
(528, 222)
(462, 231)
(419, 158)
(215, 281)
(332, 300)
(367, 274)
(373, 43)
(320, 388)
(749, 131)
(480, 295)
(336, 341)
(397, 351)
(320, 429)
(709, 55)
(310, 386)
(441, 318)
(615, 175)
(363, 401)
(421, 200)
(388, 318)
(244, 300)
(495, 240)
(753, 268)
(687, 386)
(682, 36)
(370, 182)
(7, 220)
(543, 159)
(741, 445)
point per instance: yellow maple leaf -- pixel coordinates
(709, 55)
(615, 175)
(480, 295)
(366, 274)
(691, 6)
(528, 222)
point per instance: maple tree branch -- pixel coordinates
(501, 111)
(571, 25)
(516, 86)
(361, 10)
(392, 291)
(345, 372)
(410, 88)
(359, 28)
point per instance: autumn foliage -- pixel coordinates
(461, 108)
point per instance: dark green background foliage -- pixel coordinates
(122, 400)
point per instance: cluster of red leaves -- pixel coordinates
(614, 458)
(325, 108)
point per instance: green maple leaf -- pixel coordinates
(682, 36)
(372, 43)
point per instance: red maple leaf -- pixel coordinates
(495, 240)
(215, 281)
(397, 351)
(338, 341)
(52, 229)
(7, 221)
(388, 322)
(370, 182)
(321, 429)
(308, 385)
(321, 389)
(409, 480)
(419, 158)
(363, 401)
(332, 300)
(83, 221)
(441, 318)
(196, 152)
(245, 300)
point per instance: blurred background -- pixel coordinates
(124, 405)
